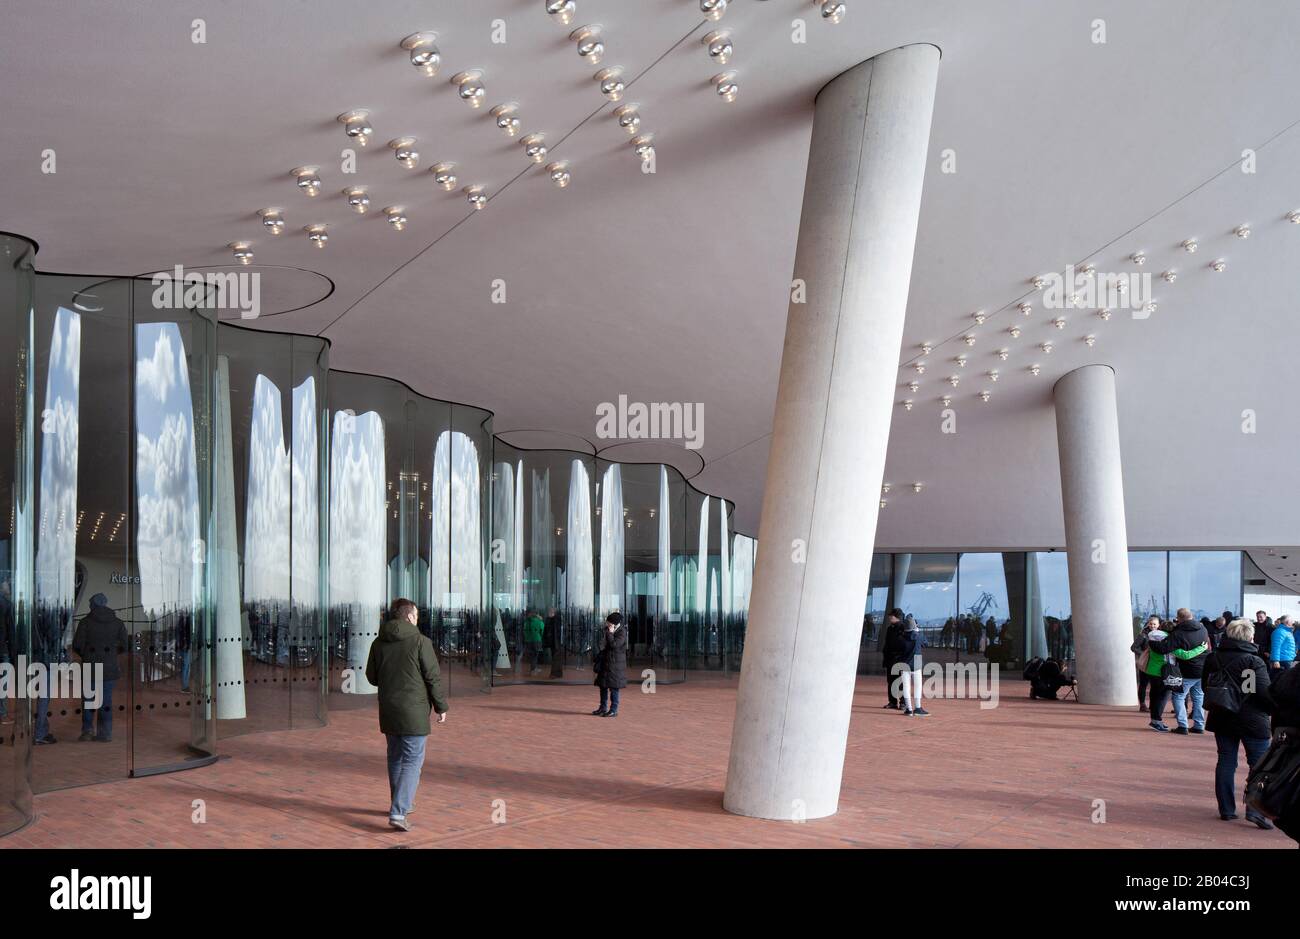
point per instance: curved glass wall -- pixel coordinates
(17, 294)
(218, 524)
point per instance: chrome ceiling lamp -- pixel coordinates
(726, 86)
(317, 234)
(713, 9)
(396, 215)
(719, 45)
(404, 150)
(444, 174)
(243, 252)
(308, 179)
(476, 196)
(358, 199)
(424, 52)
(832, 10)
(559, 173)
(611, 81)
(356, 124)
(535, 147)
(562, 11)
(590, 46)
(272, 219)
(507, 118)
(469, 85)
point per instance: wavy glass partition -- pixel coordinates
(17, 297)
(249, 515)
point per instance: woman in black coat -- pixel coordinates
(609, 662)
(1238, 658)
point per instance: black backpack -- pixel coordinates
(1222, 692)
(1032, 668)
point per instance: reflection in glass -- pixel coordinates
(611, 540)
(358, 570)
(231, 703)
(1206, 582)
(929, 595)
(56, 552)
(1051, 627)
(457, 532)
(1148, 578)
(579, 577)
(267, 521)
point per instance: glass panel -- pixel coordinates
(929, 594)
(172, 421)
(17, 287)
(870, 656)
(1051, 630)
(991, 588)
(309, 529)
(1206, 582)
(1148, 574)
(81, 364)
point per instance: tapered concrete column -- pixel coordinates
(862, 198)
(1096, 539)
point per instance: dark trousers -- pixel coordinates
(1159, 698)
(1225, 771)
(1144, 683)
(611, 696)
(889, 685)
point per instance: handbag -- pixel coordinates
(1221, 690)
(1273, 786)
(1170, 675)
(1144, 660)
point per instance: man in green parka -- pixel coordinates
(404, 667)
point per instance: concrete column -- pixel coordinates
(1096, 540)
(862, 199)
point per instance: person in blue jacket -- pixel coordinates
(1282, 644)
(909, 668)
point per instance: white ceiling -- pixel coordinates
(673, 286)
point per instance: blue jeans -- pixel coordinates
(1192, 685)
(185, 670)
(42, 729)
(1225, 771)
(609, 695)
(105, 712)
(405, 759)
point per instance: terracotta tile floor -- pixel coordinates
(1024, 774)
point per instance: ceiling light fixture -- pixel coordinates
(611, 82)
(356, 124)
(1150, 307)
(913, 386)
(444, 175)
(725, 83)
(720, 47)
(1293, 216)
(272, 219)
(1059, 322)
(308, 179)
(968, 339)
(926, 348)
(644, 146)
(243, 252)
(561, 10)
(424, 52)
(317, 234)
(1039, 283)
(917, 487)
(919, 367)
(358, 199)
(993, 374)
(945, 400)
(1015, 332)
(953, 380)
(559, 173)
(507, 116)
(396, 215)
(832, 10)
(469, 86)
(979, 316)
(713, 9)
(1242, 231)
(1169, 276)
(1104, 313)
(589, 45)
(1046, 347)
(1217, 265)
(960, 360)
(1025, 308)
(1090, 339)
(1138, 258)
(404, 150)
(475, 196)
(907, 404)
(1189, 245)
(1004, 354)
(984, 395)
(535, 147)
(1035, 369)
(628, 118)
